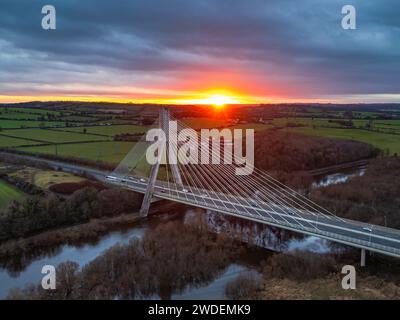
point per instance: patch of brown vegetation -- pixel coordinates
(367, 288)
(68, 188)
(373, 197)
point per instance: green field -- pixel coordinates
(204, 123)
(79, 118)
(112, 152)
(17, 115)
(30, 110)
(109, 130)
(16, 124)
(8, 193)
(318, 122)
(51, 135)
(380, 140)
(255, 126)
(6, 142)
(322, 122)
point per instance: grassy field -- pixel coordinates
(51, 135)
(6, 142)
(112, 152)
(16, 124)
(255, 126)
(394, 124)
(204, 123)
(18, 115)
(358, 123)
(8, 193)
(110, 130)
(79, 118)
(45, 178)
(30, 110)
(380, 140)
(314, 122)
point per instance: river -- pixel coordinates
(338, 177)
(269, 238)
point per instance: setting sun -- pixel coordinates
(219, 100)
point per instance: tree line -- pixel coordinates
(36, 213)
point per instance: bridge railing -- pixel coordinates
(329, 235)
(361, 243)
(299, 227)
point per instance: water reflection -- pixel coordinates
(338, 177)
(216, 289)
(27, 269)
(82, 254)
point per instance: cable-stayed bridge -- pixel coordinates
(257, 197)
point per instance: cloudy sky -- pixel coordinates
(189, 50)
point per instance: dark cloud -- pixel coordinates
(282, 43)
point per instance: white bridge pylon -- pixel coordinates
(164, 121)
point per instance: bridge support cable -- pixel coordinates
(262, 176)
(230, 198)
(215, 195)
(211, 184)
(245, 196)
(208, 189)
(134, 163)
(290, 194)
(188, 185)
(223, 190)
(203, 190)
(173, 184)
(229, 178)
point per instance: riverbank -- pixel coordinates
(84, 232)
(65, 236)
(368, 287)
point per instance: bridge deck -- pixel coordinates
(349, 232)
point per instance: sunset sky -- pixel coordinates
(184, 51)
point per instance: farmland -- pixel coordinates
(88, 132)
(17, 124)
(8, 193)
(385, 142)
(51, 136)
(108, 130)
(6, 142)
(111, 152)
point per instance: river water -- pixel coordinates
(338, 177)
(269, 238)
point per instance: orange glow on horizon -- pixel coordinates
(218, 100)
(215, 98)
